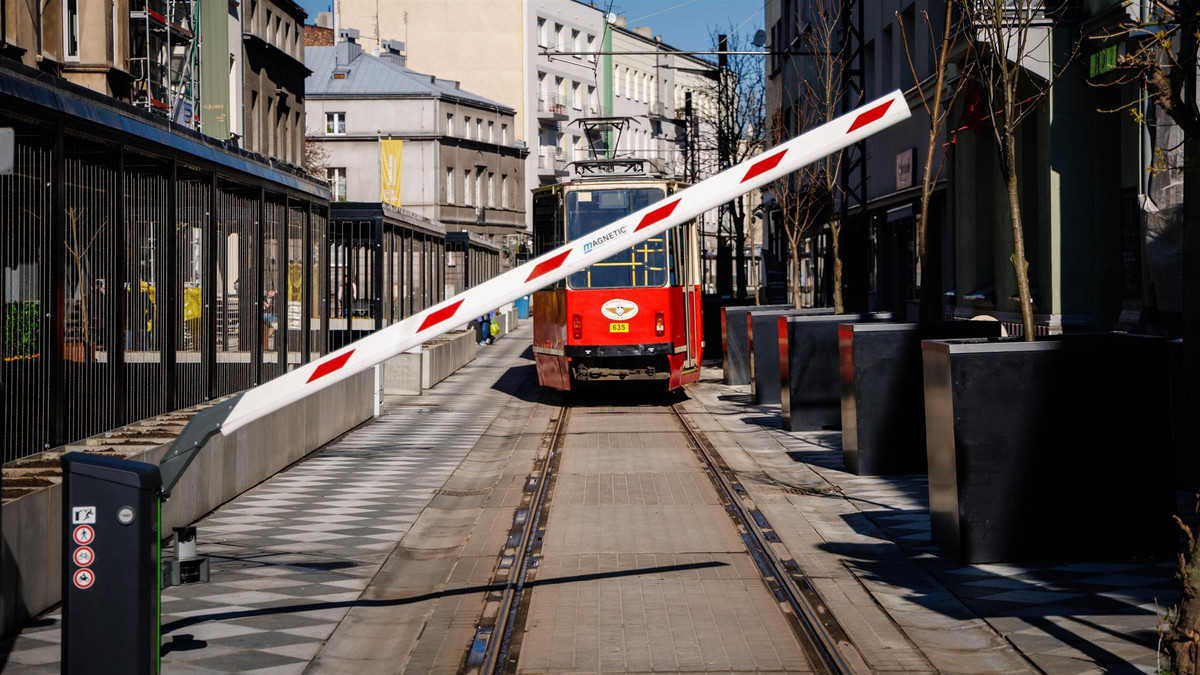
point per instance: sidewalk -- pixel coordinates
(1060, 617)
(291, 556)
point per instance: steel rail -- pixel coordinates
(510, 602)
(815, 627)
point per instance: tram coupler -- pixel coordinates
(187, 567)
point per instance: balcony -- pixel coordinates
(552, 109)
(551, 164)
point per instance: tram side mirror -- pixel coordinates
(187, 567)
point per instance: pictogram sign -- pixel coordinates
(83, 578)
(83, 556)
(83, 515)
(84, 535)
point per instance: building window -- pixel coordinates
(449, 124)
(479, 197)
(560, 90)
(504, 191)
(335, 123)
(466, 126)
(558, 39)
(467, 187)
(541, 34)
(617, 81)
(450, 185)
(491, 190)
(479, 129)
(576, 96)
(71, 34)
(337, 184)
(591, 100)
(575, 44)
(591, 48)
(491, 132)
(504, 134)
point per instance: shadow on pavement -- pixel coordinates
(314, 606)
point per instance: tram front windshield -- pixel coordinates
(640, 266)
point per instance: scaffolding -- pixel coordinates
(164, 58)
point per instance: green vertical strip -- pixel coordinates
(158, 584)
(606, 86)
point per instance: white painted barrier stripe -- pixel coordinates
(571, 257)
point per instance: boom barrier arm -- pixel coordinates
(543, 270)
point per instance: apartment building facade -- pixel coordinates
(459, 161)
(554, 63)
(1082, 174)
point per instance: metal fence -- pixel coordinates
(136, 281)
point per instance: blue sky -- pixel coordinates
(684, 24)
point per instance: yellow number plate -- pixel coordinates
(618, 328)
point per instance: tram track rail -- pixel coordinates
(497, 647)
(819, 633)
(499, 654)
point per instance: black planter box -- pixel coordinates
(809, 371)
(735, 344)
(883, 400)
(763, 331)
(1055, 449)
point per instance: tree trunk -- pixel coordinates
(738, 215)
(1019, 263)
(794, 276)
(1182, 640)
(838, 306)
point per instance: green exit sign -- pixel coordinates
(1103, 61)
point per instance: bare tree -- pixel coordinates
(803, 201)
(937, 97)
(821, 93)
(735, 127)
(316, 158)
(1008, 35)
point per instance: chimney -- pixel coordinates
(324, 20)
(620, 21)
(348, 49)
(645, 31)
(392, 51)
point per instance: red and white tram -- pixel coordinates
(632, 317)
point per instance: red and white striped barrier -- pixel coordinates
(567, 259)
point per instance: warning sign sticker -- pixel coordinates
(83, 515)
(84, 556)
(84, 579)
(84, 535)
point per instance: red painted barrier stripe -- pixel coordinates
(765, 165)
(547, 266)
(657, 215)
(439, 316)
(871, 115)
(332, 365)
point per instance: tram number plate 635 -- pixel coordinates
(618, 328)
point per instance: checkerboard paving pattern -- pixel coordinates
(1065, 617)
(289, 557)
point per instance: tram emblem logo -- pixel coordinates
(619, 310)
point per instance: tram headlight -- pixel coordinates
(577, 326)
(660, 324)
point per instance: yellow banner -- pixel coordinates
(389, 170)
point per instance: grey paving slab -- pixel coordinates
(1094, 616)
(641, 569)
